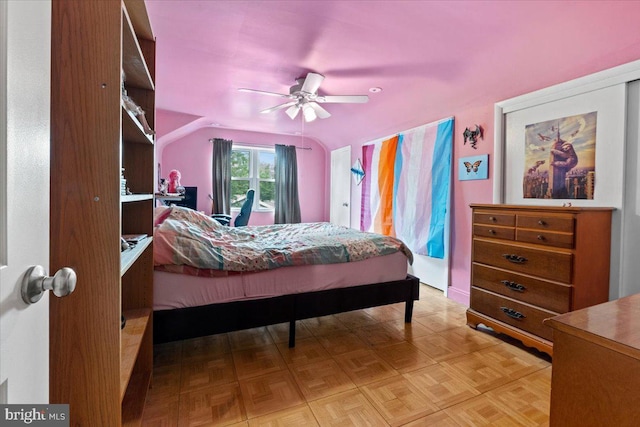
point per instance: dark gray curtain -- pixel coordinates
(221, 176)
(287, 209)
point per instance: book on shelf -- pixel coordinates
(134, 238)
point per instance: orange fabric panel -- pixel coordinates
(384, 219)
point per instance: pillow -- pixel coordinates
(160, 213)
(184, 214)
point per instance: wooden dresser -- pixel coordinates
(596, 365)
(531, 263)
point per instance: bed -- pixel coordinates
(211, 279)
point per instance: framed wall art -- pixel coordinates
(561, 148)
(473, 167)
(559, 158)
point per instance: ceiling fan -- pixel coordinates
(304, 96)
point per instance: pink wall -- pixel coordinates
(191, 155)
(465, 193)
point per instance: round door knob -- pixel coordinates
(35, 282)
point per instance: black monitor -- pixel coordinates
(190, 198)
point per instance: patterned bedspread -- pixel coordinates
(189, 238)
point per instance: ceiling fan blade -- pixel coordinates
(320, 112)
(312, 83)
(293, 111)
(348, 99)
(279, 95)
(279, 107)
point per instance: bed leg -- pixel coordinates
(292, 334)
(408, 311)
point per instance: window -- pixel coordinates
(253, 168)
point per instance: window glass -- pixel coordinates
(267, 194)
(253, 168)
(240, 163)
(266, 165)
(239, 189)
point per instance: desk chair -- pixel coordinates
(245, 211)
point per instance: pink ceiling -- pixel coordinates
(432, 58)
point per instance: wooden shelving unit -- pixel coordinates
(130, 343)
(100, 370)
(132, 129)
(131, 255)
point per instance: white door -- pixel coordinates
(25, 44)
(340, 210)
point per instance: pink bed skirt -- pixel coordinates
(178, 290)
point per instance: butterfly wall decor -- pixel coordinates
(475, 167)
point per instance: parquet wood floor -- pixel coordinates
(362, 368)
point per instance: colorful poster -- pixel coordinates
(560, 158)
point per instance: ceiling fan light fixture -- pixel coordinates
(304, 96)
(308, 113)
(292, 111)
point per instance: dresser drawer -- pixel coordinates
(512, 312)
(490, 218)
(549, 295)
(548, 238)
(562, 223)
(506, 233)
(547, 264)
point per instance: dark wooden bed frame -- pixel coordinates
(192, 322)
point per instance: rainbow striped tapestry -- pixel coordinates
(406, 187)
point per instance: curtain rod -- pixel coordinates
(246, 144)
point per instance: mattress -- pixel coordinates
(173, 290)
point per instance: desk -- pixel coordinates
(596, 365)
(167, 199)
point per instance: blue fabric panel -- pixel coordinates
(441, 173)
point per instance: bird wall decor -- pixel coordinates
(472, 136)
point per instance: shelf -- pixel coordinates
(132, 130)
(134, 399)
(139, 18)
(126, 198)
(133, 63)
(128, 257)
(130, 341)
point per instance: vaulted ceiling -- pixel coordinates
(432, 59)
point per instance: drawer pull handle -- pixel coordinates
(512, 313)
(516, 259)
(514, 286)
(492, 218)
(492, 231)
(541, 222)
(541, 237)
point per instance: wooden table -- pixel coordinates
(596, 365)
